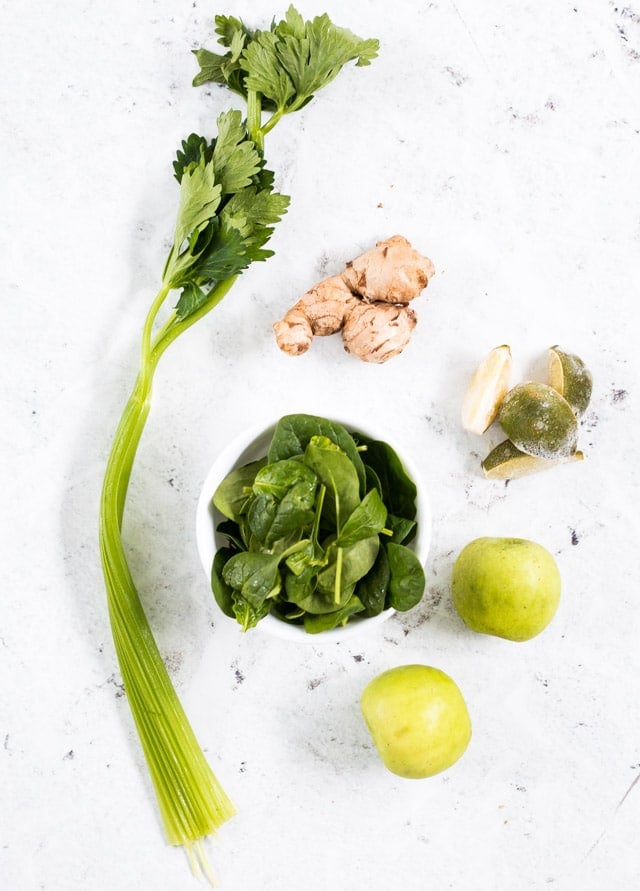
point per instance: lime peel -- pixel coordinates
(569, 375)
(507, 462)
(539, 421)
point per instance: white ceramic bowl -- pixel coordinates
(253, 444)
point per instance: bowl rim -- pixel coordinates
(253, 443)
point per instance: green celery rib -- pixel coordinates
(192, 802)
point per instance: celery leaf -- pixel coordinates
(265, 74)
(224, 69)
(285, 65)
(191, 299)
(314, 60)
(199, 198)
(193, 149)
(235, 157)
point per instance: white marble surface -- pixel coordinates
(503, 139)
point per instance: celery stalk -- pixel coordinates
(225, 217)
(192, 803)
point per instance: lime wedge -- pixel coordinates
(571, 378)
(539, 421)
(507, 462)
(487, 388)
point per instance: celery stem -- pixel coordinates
(191, 801)
(254, 118)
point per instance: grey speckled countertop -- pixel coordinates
(502, 139)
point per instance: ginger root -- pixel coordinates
(374, 332)
(367, 302)
(320, 311)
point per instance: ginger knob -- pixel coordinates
(375, 332)
(367, 302)
(392, 271)
(320, 311)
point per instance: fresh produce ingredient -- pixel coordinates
(226, 213)
(507, 587)
(368, 302)
(487, 388)
(377, 332)
(569, 375)
(507, 462)
(391, 272)
(418, 720)
(539, 421)
(318, 531)
(541, 427)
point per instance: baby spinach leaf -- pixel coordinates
(284, 496)
(248, 614)
(260, 516)
(300, 587)
(367, 519)
(317, 602)
(372, 480)
(336, 472)
(232, 533)
(398, 489)
(251, 543)
(287, 612)
(232, 495)
(407, 581)
(372, 589)
(272, 520)
(308, 554)
(356, 561)
(222, 592)
(293, 433)
(278, 477)
(327, 621)
(403, 530)
(253, 575)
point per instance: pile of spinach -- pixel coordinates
(317, 531)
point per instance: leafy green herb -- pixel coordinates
(284, 66)
(226, 212)
(316, 549)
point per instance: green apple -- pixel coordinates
(417, 718)
(508, 587)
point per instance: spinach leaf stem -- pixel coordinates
(318, 516)
(338, 582)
